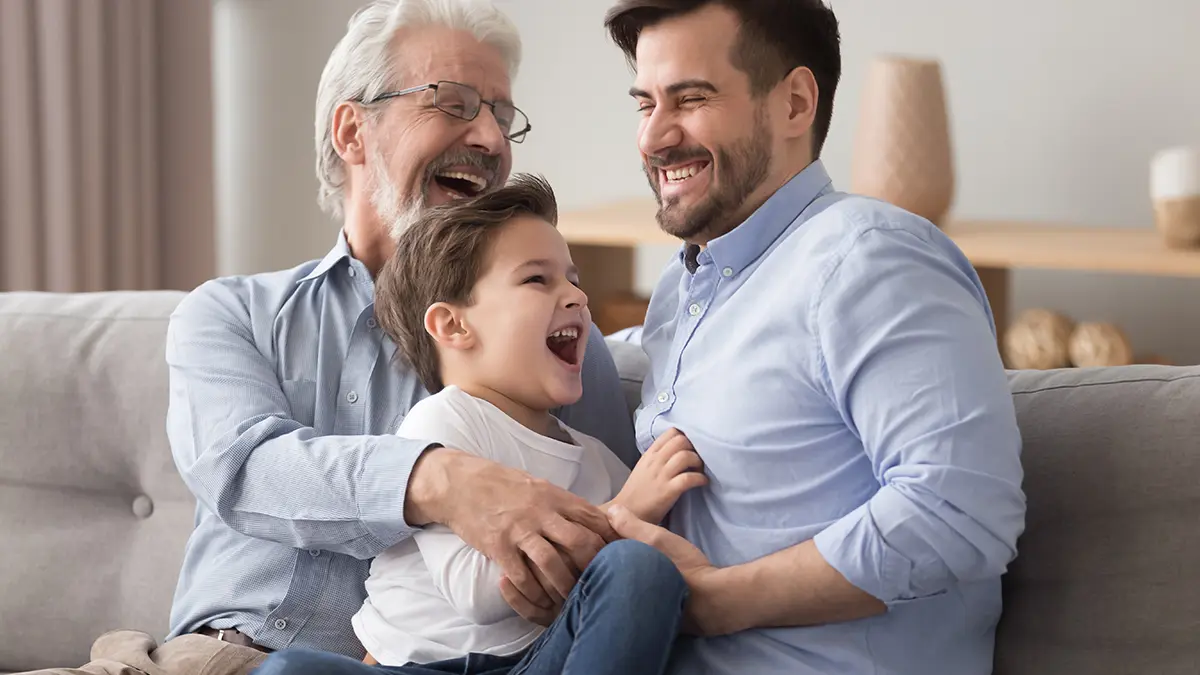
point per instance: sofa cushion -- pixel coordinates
(1107, 578)
(93, 513)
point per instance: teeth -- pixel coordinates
(565, 334)
(682, 174)
(471, 178)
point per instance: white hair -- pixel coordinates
(362, 66)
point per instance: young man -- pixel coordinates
(832, 358)
(482, 298)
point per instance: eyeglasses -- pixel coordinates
(464, 102)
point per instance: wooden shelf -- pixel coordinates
(987, 243)
(605, 236)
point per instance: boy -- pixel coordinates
(482, 298)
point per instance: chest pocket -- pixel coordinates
(302, 400)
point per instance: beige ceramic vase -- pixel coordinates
(902, 149)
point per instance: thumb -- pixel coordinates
(629, 526)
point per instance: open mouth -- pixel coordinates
(677, 177)
(460, 184)
(564, 344)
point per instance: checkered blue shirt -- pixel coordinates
(283, 395)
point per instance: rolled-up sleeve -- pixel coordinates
(249, 462)
(909, 357)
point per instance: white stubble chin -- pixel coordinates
(391, 207)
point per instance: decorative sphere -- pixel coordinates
(1100, 344)
(1038, 340)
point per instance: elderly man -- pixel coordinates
(284, 391)
(832, 359)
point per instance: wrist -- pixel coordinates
(726, 600)
(426, 498)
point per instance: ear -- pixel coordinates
(800, 87)
(447, 326)
(347, 130)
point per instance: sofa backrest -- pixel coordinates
(1107, 576)
(93, 515)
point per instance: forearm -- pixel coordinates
(792, 587)
(337, 493)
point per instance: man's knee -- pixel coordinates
(297, 661)
(638, 568)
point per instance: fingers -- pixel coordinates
(665, 438)
(684, 461)
(546, 559)
(687, 481)
(521, 604)
(630, 526)
(577, 540)
(523, 580)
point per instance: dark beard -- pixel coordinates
(743, 168)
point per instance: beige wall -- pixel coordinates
(1057, 107)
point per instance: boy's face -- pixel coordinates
(529, 317)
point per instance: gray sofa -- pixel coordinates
(93, 517)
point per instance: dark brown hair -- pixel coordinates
(440, 257)
(776, 37)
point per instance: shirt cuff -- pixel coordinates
(854, 546)
(383, 484)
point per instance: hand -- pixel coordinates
(668, 469)
(540, 535)
(704, 613)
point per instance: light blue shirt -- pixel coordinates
(284, 393)
(834, 362)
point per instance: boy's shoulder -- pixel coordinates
(450, 417)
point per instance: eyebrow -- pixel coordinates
(676, 87)
(542, 262)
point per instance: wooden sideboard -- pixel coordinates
(603, 240)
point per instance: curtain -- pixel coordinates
(79, 174)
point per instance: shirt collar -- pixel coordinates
(734, 250)
(340, 250)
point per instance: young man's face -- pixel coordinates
(707, 145)
(530, 317)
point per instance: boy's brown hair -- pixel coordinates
(440, 257)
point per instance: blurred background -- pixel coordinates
(155, 144)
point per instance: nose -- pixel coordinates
(658, 132)
(484, 134)
(575, 298)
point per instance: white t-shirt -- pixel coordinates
(433, 597)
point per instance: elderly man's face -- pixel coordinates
(419, 156)
(707, 145)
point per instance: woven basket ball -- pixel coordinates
(1039, 339)
(1100, 344)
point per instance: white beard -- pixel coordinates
(393, 210)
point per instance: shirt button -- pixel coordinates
(371, 323)
(280, 624)
(315, 553)
(694, 309)
(142, 507)
(352, 397)
(352, 272)
(728, 271)
(662, 397)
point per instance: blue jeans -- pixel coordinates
(621, 618)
